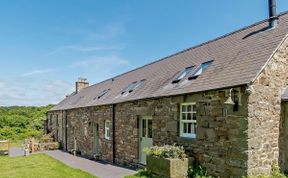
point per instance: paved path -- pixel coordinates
(16, 151)
(101, 170)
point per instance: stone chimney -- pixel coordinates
(81, 84)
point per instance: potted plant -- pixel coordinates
(97, 156)
(167, 161)
(75, 152)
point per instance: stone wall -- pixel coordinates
(221, 142)
(264, 110)
(55, 125)
(81, 122)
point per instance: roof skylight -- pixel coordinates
(200, 70)
(131, 87)
(102, 93)
(183, 74)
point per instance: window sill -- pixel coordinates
(187, 140)
(107, 139)
(188, 136)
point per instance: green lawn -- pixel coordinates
(141, 174)
(36, 166)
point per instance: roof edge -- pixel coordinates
(187, 93)
(269, 59)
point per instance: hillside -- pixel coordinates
(20, 122)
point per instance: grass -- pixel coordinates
(36, 166)
(141, 174)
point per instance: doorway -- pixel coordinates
(145, 125)
(96, 148)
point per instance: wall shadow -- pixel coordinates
(283, 138)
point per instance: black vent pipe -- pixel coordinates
(272, 13)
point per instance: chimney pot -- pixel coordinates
(272, 13)
(81, 84)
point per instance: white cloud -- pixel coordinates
(100, 62)
(105, 32)
(36, 72)
(110, 31)
(33, 92)
(80, 48)
(31, 89)
(2, 84)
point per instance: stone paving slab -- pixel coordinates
(101, 170)
(16, 151)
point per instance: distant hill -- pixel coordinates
(20, 122)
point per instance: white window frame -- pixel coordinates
(200, 69)
(183, 74)
(182, 121)
(107, 126)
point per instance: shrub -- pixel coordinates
(47, 138)
(197, 171)
(143, 173)
(276, 173)
(167, 151)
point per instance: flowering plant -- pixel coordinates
(166, 151)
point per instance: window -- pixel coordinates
(182, 74)
(200, 70)
(102, 93)
(131, 87)
(146, 128)
(188, 122)
(107, 129)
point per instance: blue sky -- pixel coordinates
(46, 45)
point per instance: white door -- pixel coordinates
(145, 126)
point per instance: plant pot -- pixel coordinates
(173, 168)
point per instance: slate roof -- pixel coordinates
(238, 59)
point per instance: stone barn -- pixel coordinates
(224, 100)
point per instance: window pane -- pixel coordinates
(194, 108)
(149, 128)
(184, 127)
(200, 69)
(194, 117)
(107, 133)
(189, 116)
(190, 128)
(184, 116)
(189, 108)
(182, 74)
(184, 108)
(143, 128)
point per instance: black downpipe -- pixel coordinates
(66, 149)
(272, 13)
(113, 130)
